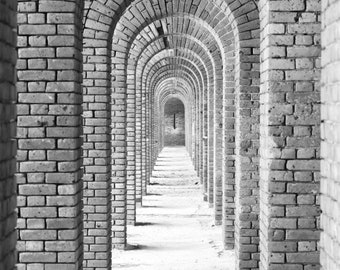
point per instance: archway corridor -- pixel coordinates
(92, 92)
(174, 227)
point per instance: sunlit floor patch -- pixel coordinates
(177, 231)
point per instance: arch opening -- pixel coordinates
(174, 123)
(94, 88)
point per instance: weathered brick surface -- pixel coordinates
(290, 136)
(8, 58)
(106, 102)
(49, 130)
(128, 27)
(97, 155)
(330, 82)
(136, 56)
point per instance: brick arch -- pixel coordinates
(200, 126)
(207, 62)
(121, 73)
(211, 184)
(255, 224)
(149, 74)
(241, 97)
(161, 70)
(138, 59)
(201, 56)
(211, 146)
(174, 63)
(168, 86)
(194, 58)
(242, 28)
(168, 93)
(99, 16)
(181, 86)
(164, 70)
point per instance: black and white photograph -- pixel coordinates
(170, 134)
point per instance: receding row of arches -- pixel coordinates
(103, 85)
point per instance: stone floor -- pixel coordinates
(174, 227)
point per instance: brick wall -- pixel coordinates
(8, 57)
(49, 135)
(330, 196)
(106, 112)
(174, 123)
(290, 136)
(243, 139)
(97, 147)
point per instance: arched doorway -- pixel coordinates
(174, 123)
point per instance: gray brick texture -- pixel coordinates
(49, 173)
(8, 59)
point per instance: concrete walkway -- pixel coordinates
(175, 228)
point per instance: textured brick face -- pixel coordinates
(330, 196)
(290, 136)
(208, 53)
(8, 131)
(143, 59)
(49, 130)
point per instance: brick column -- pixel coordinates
(228, 169)
(131, 152)
(289, 173)
(218, 130)
(118, 143)
(148, 139)
(210, 148)
(330, 167)
(198, 139)
(49, 130)
(205, 147)
(8, 197)
(97, 153)
(143, 142)
(138, 154)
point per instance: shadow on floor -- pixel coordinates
(151, 206)
(154, 194)
(145, 223)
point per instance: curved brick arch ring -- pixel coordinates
(241, 22)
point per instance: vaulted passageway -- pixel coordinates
(83, 85)
(174, 228)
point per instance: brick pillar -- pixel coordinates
(118, 143)
(289, 173)
(148, 139)
(49, 130)
(210, 148)
(8, 197)
(143, 143)
(131, 152)
(218, 132)
(198, 140)
(330, 167)
(138, 154)
(97, 153)
(228, 170)
(154, 130)
(247, 167)
(201, 146)
(192, 126)
(205, 150)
